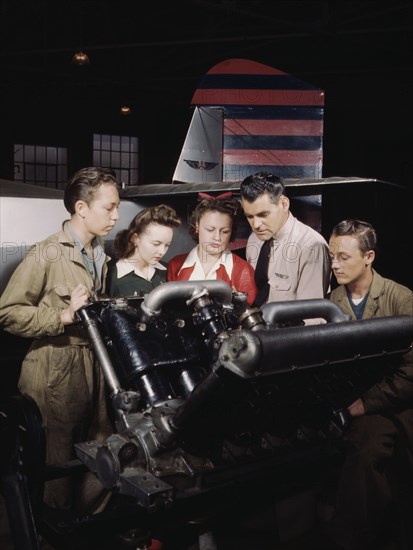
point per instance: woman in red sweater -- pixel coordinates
(212, 225)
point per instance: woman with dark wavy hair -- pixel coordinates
(212, 225)
(139, 250)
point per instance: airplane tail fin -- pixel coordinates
(250, 117)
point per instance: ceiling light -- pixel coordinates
(80, 58)
(125, 110)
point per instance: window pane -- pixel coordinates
(124, 160)
(51, 155)
(61, 176)
(133, 161)
(41, 173)
(39, 164)
(18, 171)
(106, 159)
(18, 153)
(134, 144)
(62, 155)
(29, 172)
(51, 175)
(119, 153)
(40, 152)
(97, 141)
(105, 142)
(115, 143)
(133, 177)
(124, 176)
(115, 159)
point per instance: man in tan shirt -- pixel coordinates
(299, 264)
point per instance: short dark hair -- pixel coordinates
(257, 184)
(84, 184)
(224, 206)
(363, 231)
(162, 214)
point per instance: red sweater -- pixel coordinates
(242, 277)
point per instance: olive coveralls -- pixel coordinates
(59, 371)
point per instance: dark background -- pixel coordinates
(152, 55)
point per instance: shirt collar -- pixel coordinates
(125, 266)
(78, 242)
(225, 260)
(285, 229)
(191, 259)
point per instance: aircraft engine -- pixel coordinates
(199, 382)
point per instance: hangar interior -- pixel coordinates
(260, 492)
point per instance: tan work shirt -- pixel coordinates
(299, 266)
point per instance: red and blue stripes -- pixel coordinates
(271, 120)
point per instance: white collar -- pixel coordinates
(193, 260)
(126, 266)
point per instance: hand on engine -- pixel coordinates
(78, 299)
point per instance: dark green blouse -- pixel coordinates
(131, 284)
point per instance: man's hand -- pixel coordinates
(78, 299)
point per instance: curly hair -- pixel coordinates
(162, 214)
(223, 206)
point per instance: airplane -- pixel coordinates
(247, 117)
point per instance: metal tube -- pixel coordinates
(303, 309)
(89, 321)
(153, 302)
